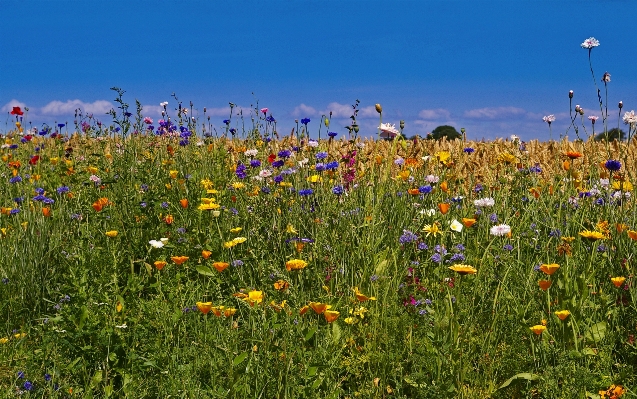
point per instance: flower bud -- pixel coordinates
(379, 109)
(581, 111)
(462, 130)
(204, 110)
(621, 105)
(356, 128)
(570, 94)
(577, 108)
(402, 125)
(327, 122)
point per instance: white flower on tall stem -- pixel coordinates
(549, 119)
(500, 230)
(590, 43)
(484, 202)
(630, 118)
(387, 128)
(606, 77)
(593, 118)
(156, 244)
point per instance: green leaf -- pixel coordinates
(205, 270)
(524, 376)
(597, 332)
(237, 360)
(311, 371)
(310, 333)
(336, 333)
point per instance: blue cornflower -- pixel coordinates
(338, 190)
(278, 179)
(184, 142)
(270, 119)
(601, 248)
(332, 165)
(306, 192)
(255, 163)
(226, 121)
(460, 247)
(422, 246)
(164, 205)
(240, 171)
(15, 179)
(374, 277)
(265, 190)
(20, 374)
(18, 200)
(477, 188)
(613, 165)
(536, 168)
(319, 167)
(468, 150)
(332, 134)
(284, 154)
(47, 377)
(407, 237)
(14, 211)
(437, 258)
(237, 263)
(425, 189)
(493, 218)
(277, 164)
(321, 155)
(143, 204)
(555, 233)
(63, 189)
(305, 121)
(233, 131)
(28, 385)
(459, 257)
(508, 247)
(440, 249)
(48, 201)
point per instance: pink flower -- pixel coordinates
(148, 121)
(590, 43)
(264, 111)
(549, 119)
(593, 118)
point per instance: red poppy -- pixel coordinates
(28, 137)
(17, 111)
(271, 158)
(34, 160)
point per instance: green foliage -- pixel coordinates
(611, 135)
(446, 131)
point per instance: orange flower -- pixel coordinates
(331, 315)
(535, 191)
(169, 219)
(204, 307)
(362, 297)
(413, 191)
(538, 329)
(544, 284)
(444, 207)
(468, 222)
(228, 312)
(220, 266)
(463, 269)
(444, 186)
(618, 281)
(562, 314)
(184, 203)
(295, 264)
(566, 165)
(319, 307)
(632, 234)
(206, 254)
(159, 264)
(100, 204)
(549, 269)
(304, 310)
(46, 211)
(216, 310)
(573, 154)
(179, 259)
(621, 227)
(281, 285)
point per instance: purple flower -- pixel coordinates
(277, 164)
(338, 190)
(321, 155)
(332, 165)
(613, 165)
(284, 154)
(306, 192)
(15, 179)
(319, 167)
(407, 237)
(255, 163)
(437, 258)
(332, 134)
(27, 386)
(425, 189)
(305, 121)
(468, 150)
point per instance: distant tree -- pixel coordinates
(447, 131)
(612, 135)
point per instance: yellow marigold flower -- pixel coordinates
(331, 315)
(254, 297)
(622, 185)
(351, 320)
(229, 244)
(238, 185)
(20, 335)
(538, 329)
(443, 156)
(239, 240)
(295, 264)
(281, 285)
(314, 179)
(54, 161)
(206, 254)
(618, 281)
(173, 174)
(111, 233)
(236, 230)
(562, 314)
(592, 235)
(4, 340)
(92, 170)
(204, 307)
(507, 158)
(278, 306)
(362, 297)
(549, 269)
(463, 269)
(208, 207)
(404, 174)
(568, 239)
(432, 229)
(468, 222)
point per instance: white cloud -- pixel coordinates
(152, 110)
(492, 113)
(338, 110)
(304, 111)
(434, 114)
(8, 107)
(99, 107)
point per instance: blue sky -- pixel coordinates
(492, 67)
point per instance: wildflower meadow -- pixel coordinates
(163, 258)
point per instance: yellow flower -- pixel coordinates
(111, 233)
(361, 297)
(314, 179)
(404, 174)
(538, 329)
(173, 174)
(351, 320)
(295, 264)
(507, 158)
(618, 281)
(236, 230)
(331, 315)
(229, 312)
(432, 229)
(204, 307)
(278, 306)
(632, 234)
(290, 229)
(4, 340)
(254, 297)
(239, 240)
(622, 185)
(238, 185)
(549, 269)
(443, 156)
(562, 314)
(209, 206)
(592, 235)
(463, 269)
